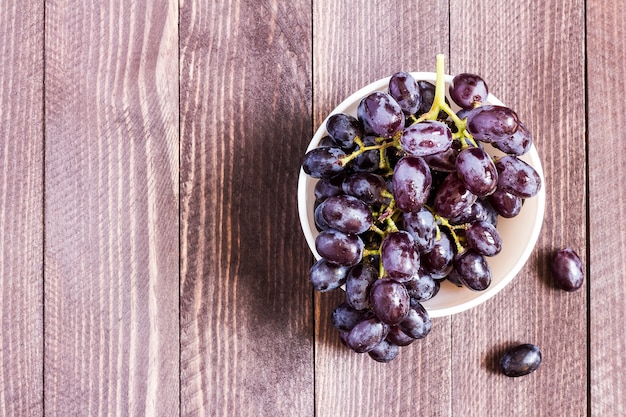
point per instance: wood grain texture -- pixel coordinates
(507, 46)
(111, 208)
(246, 304)
(355, 44)
(21, 208)
(606, 54)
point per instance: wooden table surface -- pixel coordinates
(151, 256)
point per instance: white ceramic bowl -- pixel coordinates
(519, 234)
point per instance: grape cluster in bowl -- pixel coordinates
(410, 194)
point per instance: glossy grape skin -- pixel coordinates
(422, 287)
(473, 270)
(344, 317)
(339, 248)
(367, 187)
(320, 223)
(380, 114)
(422, 227)
(438, 262)
(567, 269)
(477, 171)
(444, 161)
(481, 210)
(518, 143)
(468, 90)
(328, 187)
(366, 334)
(489, 123)
(400, 256)
(426, 138)
(411, 183)
(389, 300)
(484, 238)
(384, 352)
(325, 276)
(427, 91)
(405, 90)
(324, 162)
(417, 323)
(397, 337)
(453, 197)
(506, 204)
(344, 129)
(517, 177)
(358, 284)
(521, 360)
(347, 214)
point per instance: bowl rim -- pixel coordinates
(532, 157)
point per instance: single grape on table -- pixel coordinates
(409, 197)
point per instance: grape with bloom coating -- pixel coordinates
(422, 227)
(366, 334)
(411, 183)
(426, 138)
(473, 270)
(325, 276)
(325, 162)
(518, 143)
(567, 269)
(347, 214)
(484, 238)
(384, 352)
(517, 177)
(453, 197)
(339, 248)
(344, 317)
(380, 114)
(389, 300)
(344, 129)
(417, 323)
(477, 171)
(468, 90)
(489, 123)
(506, 204)
(367, 187)
(438, 262)
(405, 90)
(520, 360)
(400, 256)
(358, 284)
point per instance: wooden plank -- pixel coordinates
(21, 208)
(111, 208)
(246, 305)
(606, 54)
(532, 59)
(355, 44)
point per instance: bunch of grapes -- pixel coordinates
(408, 197)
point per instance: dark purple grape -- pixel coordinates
(323, 162)
(453, 277)
(345, 317)
(344, 129)
(506, 204)
(484, 238)
(520, 360)
(426, 138)
(473, 270)
(380, 114)
(400, 256)
(368, 161)
(389, 300)
(339, 248)
(443, 161)
(384, 352)
(404, 89)
(481, 210)
(320, 223)
(366, 334)
(411, 183)
(422, 227)
(468, 90)
(427, 92)
(398, 337)
(367, 187)
(518, 143)
(490, 123)
(325, 276)
(328, 187)
(438, 262)
(567, 269)
(417, 323)
(477, 171)
(453, 197)
(358, 284)
(422, 287)
(347, 214)
(517, 177)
